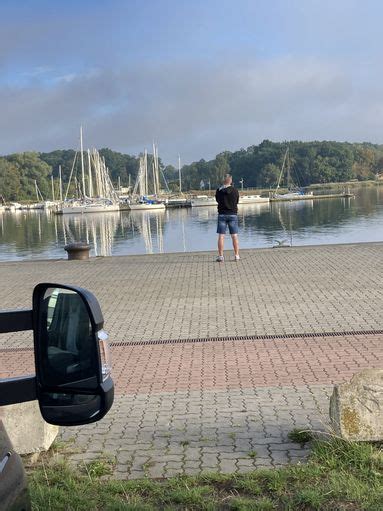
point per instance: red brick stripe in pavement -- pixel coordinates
(229, 364)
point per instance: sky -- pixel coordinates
(197, 77)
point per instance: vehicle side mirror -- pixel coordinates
(72, 356)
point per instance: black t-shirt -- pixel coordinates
(227, 198)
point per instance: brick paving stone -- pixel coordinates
(227, 466)
(190, 406)
(271, 450)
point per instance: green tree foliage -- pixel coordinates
(268, 175)
(31, 168)
(120, 165)
(9, 180)
(310, 162)
(258, 166)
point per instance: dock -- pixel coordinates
(314, 197)
(210, 360)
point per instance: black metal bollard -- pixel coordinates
(77, 251)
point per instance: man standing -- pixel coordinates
(227, 197)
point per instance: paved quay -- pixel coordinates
(331, 288)
(191, 394)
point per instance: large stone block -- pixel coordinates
(356, 408)
(26, 428)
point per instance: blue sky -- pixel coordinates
(197, 76)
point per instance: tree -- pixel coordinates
(9, 180)
(220, 168)
(31, 168)
(268, 176)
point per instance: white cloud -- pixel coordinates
(193, 108)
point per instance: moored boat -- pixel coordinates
(13, 206)
(141, 198)
(253, 199)
(96, 193)
(146, 205)
(203, 200)
(293, 191)
(87, 206)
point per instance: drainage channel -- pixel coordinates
(249, 338)
(311, 335)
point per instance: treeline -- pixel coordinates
(310, 162)
(258, 166)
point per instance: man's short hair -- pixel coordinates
(227, 178)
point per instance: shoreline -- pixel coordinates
(211, 253)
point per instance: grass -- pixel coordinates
(300, 436)
(98, 468)
(339, 476)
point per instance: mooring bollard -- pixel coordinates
(77, 251)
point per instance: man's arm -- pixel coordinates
(237, 195)
(216, 195)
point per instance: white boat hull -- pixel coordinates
(195, 203)
(13, 206)
(253, 199)
(140, 207)
(88, 208)
(293, 195)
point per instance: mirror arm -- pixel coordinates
(16, 320)
(17, 390)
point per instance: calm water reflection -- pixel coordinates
(36, 235)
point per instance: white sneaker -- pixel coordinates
(220, 259)
(237, 258)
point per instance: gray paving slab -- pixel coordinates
(235, 444)
(180, 296)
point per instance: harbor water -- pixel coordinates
(43, 235)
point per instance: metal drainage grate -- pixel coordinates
(10, 350)
(248, 338)
(228, 338)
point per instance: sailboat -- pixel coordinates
(253, 199)
(293, 192)
(178, 200)
(140, 197)
(99, 196)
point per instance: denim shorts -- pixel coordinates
(225, 221)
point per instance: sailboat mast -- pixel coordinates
(90, 184)
(146, 173)
(157, 171)
(61, 184)
(138, 186)
(98, 172)
(37, 190)
(53, 188)
(283, 167)
(179, 172)
(154, 170)
(288, 173)
(82, 164)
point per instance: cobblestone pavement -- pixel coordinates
(219, 406)
(224, 405)
(234, 430)
(181, 296)
(216, 405)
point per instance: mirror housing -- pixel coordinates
(73, 382)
